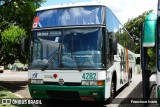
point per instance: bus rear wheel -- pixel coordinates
(129, 77)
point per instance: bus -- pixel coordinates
(151, 38)
(79, 51)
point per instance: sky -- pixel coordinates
(123, 9)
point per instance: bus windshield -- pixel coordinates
(67, 49)
(71, 16)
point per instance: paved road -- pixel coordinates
(134, 91)
(9, 75)
(136, 95)
(125, 91)
(15, 82)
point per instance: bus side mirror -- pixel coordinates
(114, 46)
(149, 30)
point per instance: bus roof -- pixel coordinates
(93, 3)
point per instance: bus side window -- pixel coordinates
(111, 47)
(138, 60)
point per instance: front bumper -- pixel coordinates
(87, 93)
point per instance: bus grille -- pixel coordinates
(65, 84)
(67, 95)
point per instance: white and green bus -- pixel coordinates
(79, 51)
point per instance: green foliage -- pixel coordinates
(12, 35)
(19, 12)
(16, 21)
(11, 44)
(151, 52)
(134, 27)
(4, 93)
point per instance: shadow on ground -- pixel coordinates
(73, 104)
(13, 86)
(135, 98)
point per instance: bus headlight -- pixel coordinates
(85, 82)
(36, 81)
(93, 83)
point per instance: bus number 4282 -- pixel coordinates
(89, 76)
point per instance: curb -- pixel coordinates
(17, 95)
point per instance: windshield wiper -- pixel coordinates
(72, 55)
(52, 57)
(76, 60)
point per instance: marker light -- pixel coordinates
(91, 83)
(100, 83)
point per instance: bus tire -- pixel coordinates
(129, 77)
(112, 91)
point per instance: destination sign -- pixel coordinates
(49, 33)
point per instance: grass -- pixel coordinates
(4, 94)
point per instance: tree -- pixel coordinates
(11, 49)
(16, 21)
(125, 39)
(134, 27)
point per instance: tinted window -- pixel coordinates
(117, 30)
(70, 16)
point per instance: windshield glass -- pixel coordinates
(68, 49)
(69, 16)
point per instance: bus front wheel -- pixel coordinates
(112, 91)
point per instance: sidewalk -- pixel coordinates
(9, 75)
(134, 90)
(13, 71)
